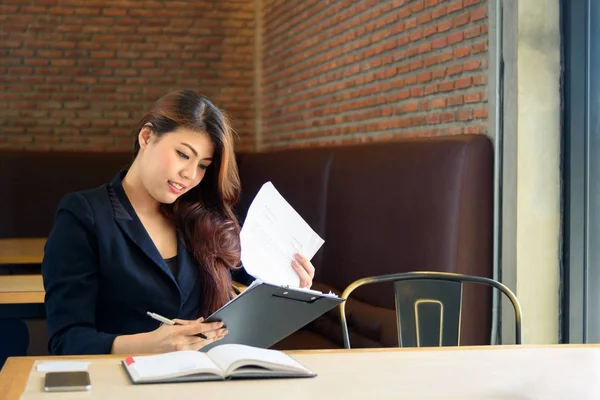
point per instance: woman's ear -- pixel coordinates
(145, 136)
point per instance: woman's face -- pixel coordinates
(174, 163)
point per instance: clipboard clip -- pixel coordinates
(303, 295)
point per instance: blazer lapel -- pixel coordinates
(187, 274)
(130, 224)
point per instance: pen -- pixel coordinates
(170, 322)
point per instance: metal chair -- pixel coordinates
(428, 299)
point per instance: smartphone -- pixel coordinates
(72, 381)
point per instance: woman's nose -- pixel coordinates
(189, 172)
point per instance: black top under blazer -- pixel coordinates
(102, 273)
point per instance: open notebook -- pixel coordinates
(224, 362)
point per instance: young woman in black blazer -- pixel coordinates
(160, 237)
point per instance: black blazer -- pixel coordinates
(102, 272)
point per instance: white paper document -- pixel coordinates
(273, 232)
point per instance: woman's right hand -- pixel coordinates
(168, 338)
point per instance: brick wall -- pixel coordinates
(79, 74)
(343, 71)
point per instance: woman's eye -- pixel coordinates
(182, 155)
(203, 167)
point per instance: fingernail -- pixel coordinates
(221, 324)
(298, 256)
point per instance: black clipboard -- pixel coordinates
(265, 313)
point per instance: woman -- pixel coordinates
(160, 237)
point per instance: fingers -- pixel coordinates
(306, 264)
(305, 280)
(186, 334)
(198, 344)
(305, 270)
(208, 329)
(186, 321)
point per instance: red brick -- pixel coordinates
(479, 47)
(113, 63)
(462, 83)
(462, 52)
(32, 79)
(472, 32)
(472, 65)
(440, 42)
(6, 10)
(454, 69)
(438, 103)
(61, 11)
(461, 20)
(454, 6)
(480, 113)
(447, 117)
(479, 80)
(430, 30)
(11, 43)
(65, 62)
(424, 18)
(416, 91)
(464, 115)
(455, 38)
(87, 11)
(102, 54)
(478, 14)
(31, 10)
(446, 86)
(473, 97)
(20, 53)
(472, 129)
(439, 12)
(444, 25)
(456, 100)
(20, 70)
(114, 12)
(417, 6)
(424, 77)
(433, 119)
(430, 89)
(105, 38)
(14, 27)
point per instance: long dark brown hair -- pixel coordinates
(204, 215)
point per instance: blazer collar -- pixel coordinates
(127, 219)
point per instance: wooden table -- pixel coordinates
(21, 289)
(465, 373)
(22, 251)
(17, 288)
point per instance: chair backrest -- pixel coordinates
(14, 339)
(428, 306)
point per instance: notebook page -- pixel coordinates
(174, 364)
(273, 232)
(227, 356)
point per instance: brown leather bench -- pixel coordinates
(414, 204)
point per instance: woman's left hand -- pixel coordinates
(305, 270)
